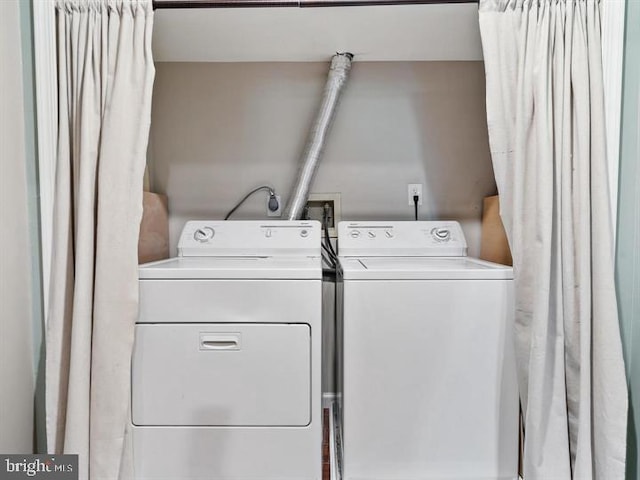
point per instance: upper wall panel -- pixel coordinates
(372, 33)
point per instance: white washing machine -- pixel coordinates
(427, 370)
(226, 378)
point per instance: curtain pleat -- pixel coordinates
(105, 79)
(545, 111)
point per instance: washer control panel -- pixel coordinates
(250, 238)
(388, 239)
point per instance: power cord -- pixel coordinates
(327, 246)
(416, 198)
(273, 204)
(327, 258)
(328, 253)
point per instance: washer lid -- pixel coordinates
(296, 268)
(422, 268)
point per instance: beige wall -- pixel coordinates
(16, 364)
(220, 129)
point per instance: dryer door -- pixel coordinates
(222, 375)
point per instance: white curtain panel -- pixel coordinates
(105, 79)
(545, 115)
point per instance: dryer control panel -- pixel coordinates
(252, 238)
(400, 239)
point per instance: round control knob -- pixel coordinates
(371, 234)
(204, 234)
(304, 233)
(355, 233)
(441, 234)
(388, 233)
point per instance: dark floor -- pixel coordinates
(326, 463)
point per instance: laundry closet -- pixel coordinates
(236, 91)
(228, 352)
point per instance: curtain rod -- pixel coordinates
(292, 3)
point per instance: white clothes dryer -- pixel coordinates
(226, 380)
(427, 374)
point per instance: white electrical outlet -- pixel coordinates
(277, 213)
(414, 189)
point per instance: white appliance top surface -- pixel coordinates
(401, 239)
(297, 268)
(250, 238)
(422, 268)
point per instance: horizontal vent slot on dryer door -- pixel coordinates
(216, 374)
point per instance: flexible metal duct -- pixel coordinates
(338, 75)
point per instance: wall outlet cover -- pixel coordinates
(414, 189)
(277, 213)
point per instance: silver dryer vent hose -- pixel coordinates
(338, 76)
